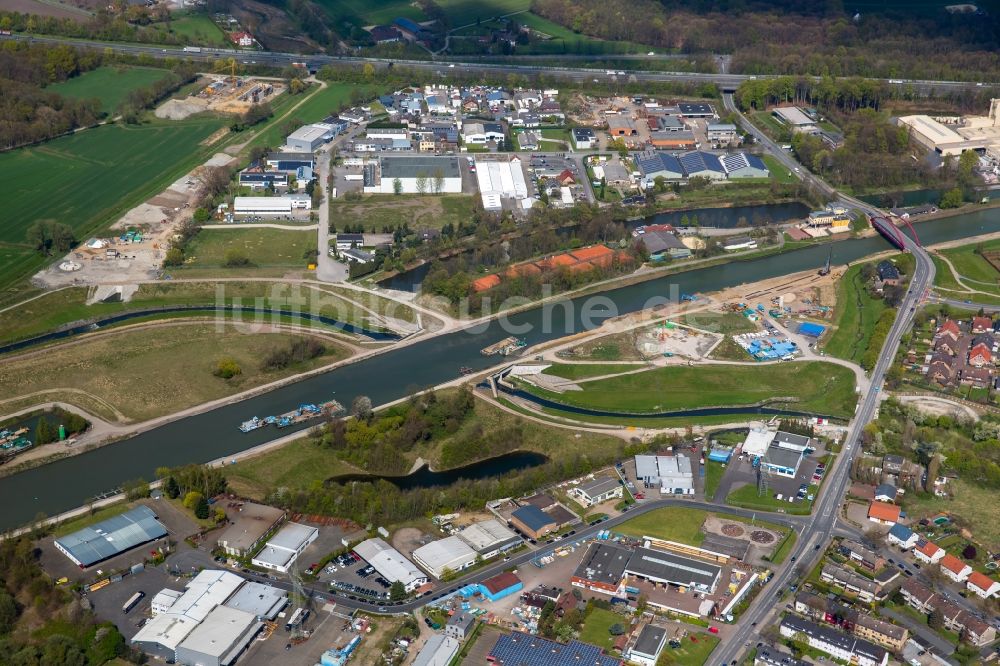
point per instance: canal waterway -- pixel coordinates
(249, 313)
(727, 218)
(70, 482)
(425, 478)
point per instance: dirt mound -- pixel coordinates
(761, 537)
(733, 530)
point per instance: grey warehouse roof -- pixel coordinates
(650, 641)
(414, 166)
(791, 438)
(260, 600)
(603, 563)
(112, 536)
(783, 457)
(661, 565)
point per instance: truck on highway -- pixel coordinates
(192, 49)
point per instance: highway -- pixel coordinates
(277, 59)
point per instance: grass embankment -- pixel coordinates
(857, 313)
(264, 249)
(584, 371)
(149, 373)
(815, 386)
(778, 170)
(378, 211)
(713, 476)
(56, 309)
(970, 264)
(109, 84)
(301, 464)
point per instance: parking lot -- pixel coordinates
(740, 472)
(108, 600)
(350, 575)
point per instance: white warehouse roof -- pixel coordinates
(262, 204)
(263, 601)
(501, 178)
(207, 590)
(758, 441)
(448, 553)
(481, 536)
(222, 636)
(293, 536)
(390, 563)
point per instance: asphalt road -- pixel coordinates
(276, 59)
(823, 522)
(342, 601)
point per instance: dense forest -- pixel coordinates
(43, 624)
(792, 37)
(136, 23)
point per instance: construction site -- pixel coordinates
(223, 93)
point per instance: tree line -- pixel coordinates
(788, 37)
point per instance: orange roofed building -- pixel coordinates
(599, 255)
(882, 513)
(485, 282)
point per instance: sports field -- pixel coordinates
(84, 179)
(111, 85)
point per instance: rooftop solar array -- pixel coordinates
(520, 649)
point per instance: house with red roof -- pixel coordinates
(243, 39)
(949, 329)
(980, 356)
(954, 568)
(884, 514)
(928, 552)
(982, 585)
(982, 324)
(566, 177)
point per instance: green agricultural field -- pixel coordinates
(111, 85)
(265, 248)
(671, 523)
(464, 12)
(815, 386)
(856, 314)
(85, 179)
(373, 13)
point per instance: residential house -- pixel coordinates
(980, 356)
(954, 568)
(928, 552)
(839, 645)
(887, 273)
(885, 492)
(883, 514)
(243, 39)
(902, 536)
(851, 620)
(982, 324)
(972, 629)
(866, 590)
(982, 585)
(862, 555)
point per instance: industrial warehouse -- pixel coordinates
(414, 174)
(212, 622)
(280, 552)
(112, 536)
(390, 563)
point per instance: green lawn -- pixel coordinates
(463, 12)
(111, 85)
(384, 11)
(381, 210)
(671, 523)
(971, 265)
(85, 179)
(264, 247)
(596, 628)
(856, 314)
(778, 170)
(771, 125)
(966, 501)
(694, 650)
(713, 475)
(814, 386)
(300, 465)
